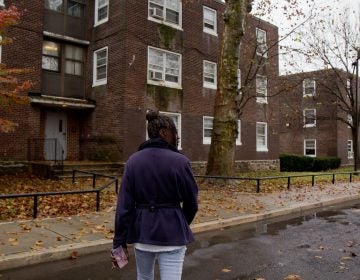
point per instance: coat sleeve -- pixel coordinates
(190, 194)
(124, 210)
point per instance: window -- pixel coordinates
(310, 147)
(74, 60)
(51, 56)
(349, 120)
(238, 78)
(166, 11)
(261, 89)
(350, 149)
(309, 117)
(210, 21)
(208, 127)
(55, 5)
(100, 66)
(101, 11)
(164, 68)
(261, 137)
(76, 8)
(309, 87)
(209, 74)
(2, 4)
(261, 46)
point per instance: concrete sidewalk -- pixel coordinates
(29, 242)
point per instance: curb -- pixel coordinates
(72, 251)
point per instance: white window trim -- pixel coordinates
(207, 84)
(208, 30)
(102, 81)
(305, 147)
(314, 93)
(206, 140)
(238, 78)
(262, 53)
(350, 120)
(238, 138)
(176, 26)
(309, 124)
(164, 82)
(261, 99)
(265, 148)
(96, 22)
(2, 3)
(350, 153)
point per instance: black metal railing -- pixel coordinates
(36, 196)
(258, 180)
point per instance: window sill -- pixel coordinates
(211, 32)
(310, 155)
(308, 95)
(99, 83)
(309, 125)
(238, 143)
(164, 84)
(173, 25)
(101, 22)
(261, 101)
(210, 86)
(262, 150)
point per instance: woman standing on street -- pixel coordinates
(157, 202)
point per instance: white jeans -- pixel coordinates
(170, 264)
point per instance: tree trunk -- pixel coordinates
(355, 135)
(222, 150)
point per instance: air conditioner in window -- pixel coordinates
(157, 13)
(156, 75)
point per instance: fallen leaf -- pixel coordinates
(73, 255)
(293, 277)
(225, 270)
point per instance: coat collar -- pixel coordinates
(157, 143)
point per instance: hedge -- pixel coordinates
(305, 163)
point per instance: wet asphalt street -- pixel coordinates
(324, 245)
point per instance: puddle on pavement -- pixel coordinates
(232, 234)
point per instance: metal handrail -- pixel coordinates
(259, 179)
(40, 194)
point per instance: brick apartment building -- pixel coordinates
(99, 65)
(310, 122)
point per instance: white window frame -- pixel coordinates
(207, 84)
(262, 148)
(163, 19)
(351, 150)
(313, 124)
(207, 140)
(305, 146)
(238, 138)
(261, 45)
(2, 3)
(305, 86)
(96, 21)
(350, 120)
(101, 81)
(212, 31)
(162, 81)
(238, 78)
(260, 96)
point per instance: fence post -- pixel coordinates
(333, 178)
(117, 186)
(73, 179)
(97, 201)
(312, 180)
(94, 180)
(35, 206)
(258, 185)
(288, 187)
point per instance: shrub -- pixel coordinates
(305, 163)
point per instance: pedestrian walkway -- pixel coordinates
(29, 242)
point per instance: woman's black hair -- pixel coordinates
(156, 122)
